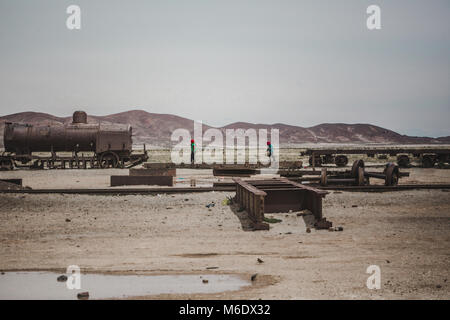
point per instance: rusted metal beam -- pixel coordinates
(386, 150)
(141, 180)
(235, 172)
(251, 199)
(283, 165)
(221, 187)
(172, 172)
(14, 181)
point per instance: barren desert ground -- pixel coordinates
(405, 233)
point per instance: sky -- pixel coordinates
(295, 62)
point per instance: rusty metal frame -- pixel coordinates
(141, 180)
(276, 195)
(235, 172)
(433, 153)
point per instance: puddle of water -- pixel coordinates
(43, 285)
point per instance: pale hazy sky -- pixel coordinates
(295, 62)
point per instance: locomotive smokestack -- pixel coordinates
(79, 117)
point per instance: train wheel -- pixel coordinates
(427, 162)
(328, 158)
(403, 161)
(392, 175)
(360, 179)
(7, 164)
(318, 161)
(341, 161)
(109, 160)
(323, 177)
(357, 164)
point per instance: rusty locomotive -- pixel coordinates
(90, 145)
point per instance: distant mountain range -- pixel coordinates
(155, 129)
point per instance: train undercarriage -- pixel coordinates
(427, 158)
(104, 160)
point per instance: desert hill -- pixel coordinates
(155, 129)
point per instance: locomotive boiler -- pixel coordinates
(109, 145)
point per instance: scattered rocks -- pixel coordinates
(205, 281)
(323, 224)
(336, 229)
(438, 286)
(260, 260)
(387, 261)
(67, 220)
(83, 295)
(61, 278)
(211, 268)
(253, 277)
(2, 273)
(186, 199)
(354, 206)
(308, 230)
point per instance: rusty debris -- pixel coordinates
(323, 224)
(141, 180)
(276, 195)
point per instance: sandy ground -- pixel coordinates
(407, 234)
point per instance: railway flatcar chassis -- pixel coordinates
(427, 156)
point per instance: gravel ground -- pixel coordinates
(405, 233)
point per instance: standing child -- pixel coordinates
(192, 151)
(269, 150)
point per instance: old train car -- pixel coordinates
(109, 145)
(428, 156)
